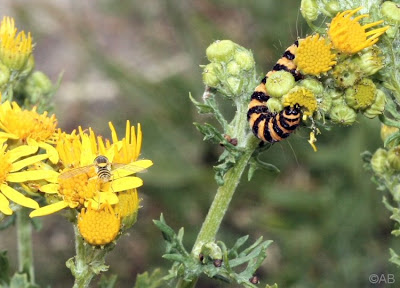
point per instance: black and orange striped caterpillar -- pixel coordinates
(272, 126)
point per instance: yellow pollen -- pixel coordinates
(99, 227)
(78, 189)
(314, 56)
(347, 34)
(5, 165)
(15, 49)
(302, 97)
(28, 124)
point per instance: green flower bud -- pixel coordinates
(332, 7)
(274, 105)
(245, 59)
(378, 106)
(37, 85)
(324, 103)
(393, 158)
(391, 12)
(362, 95)
(346, 74)
(29, 65)
(234, 84)
(314, 85)
(379, 161)
(392, 32)
(371, 61)
(387, 131)
(221, 51)
(4, 74)
(233, 68)
(279, 83)
(343, 114)
(309, 9)
(210, 74)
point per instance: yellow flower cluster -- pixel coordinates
(71, 176)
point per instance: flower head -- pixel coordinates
(347, 34)
(303, 97)
(15, 49)
(99, 226)
(314, 56)
(10, 164)
(28, 126)
(79, 184)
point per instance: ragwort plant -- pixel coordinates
(41, 165)
(327, 78)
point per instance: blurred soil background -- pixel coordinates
(139, 60)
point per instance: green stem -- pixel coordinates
(220, 204)
(88, 261)
(24, 238)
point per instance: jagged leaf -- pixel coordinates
(201, 108)
(108, 282)
(394, 258)
(210, 132)
(154, 280)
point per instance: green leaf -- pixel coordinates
(210, 132)
(108, 282)
(154, 280)
(273, 286)
(394, 258)
(4, 268)
(167, 232)
(21, 281)
(201, 108)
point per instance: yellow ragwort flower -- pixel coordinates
(99, 226)
(303, 97)
(347, 34)
(314, 56)
(78, 184)
(29, 127)
(15, 49)
(10, 164)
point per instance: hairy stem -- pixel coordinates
(88, 261)
(24, 238)
(221, 203)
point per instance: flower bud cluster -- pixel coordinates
(349, 86)
(229, 68)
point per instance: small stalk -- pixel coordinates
(88, 260)
(24, 244)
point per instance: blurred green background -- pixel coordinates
(139, 60)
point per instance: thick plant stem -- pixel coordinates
(220, 204)
(24, 238)
(88, 261)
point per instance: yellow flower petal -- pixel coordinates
(50, 188)
(126, 183)
(21, 151)
(31, 175)
(17, 197)
(28, 161)
(50, 150)
(49, 209)
(4, 205)
(103, 197)
(8, 135)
